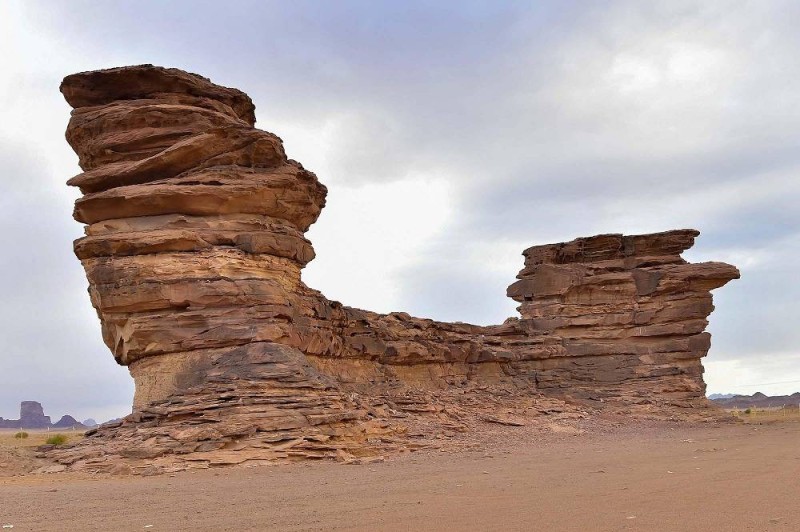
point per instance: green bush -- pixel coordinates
(56, 439)
(748, 411)
(21, 435)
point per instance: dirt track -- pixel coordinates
(649, 477)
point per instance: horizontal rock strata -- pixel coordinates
(630, 314)
(194, 246)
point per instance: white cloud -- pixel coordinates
(369, 234)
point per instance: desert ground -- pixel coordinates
(614, 475)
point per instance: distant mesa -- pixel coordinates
(31, 416)
(757, 400)
(89, 422)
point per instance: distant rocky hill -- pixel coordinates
(715, 396)
(31, 416)
(67, 422)
(757, 400)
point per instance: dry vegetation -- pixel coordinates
(18, 454)
(8, 439)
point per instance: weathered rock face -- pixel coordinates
(193, 250)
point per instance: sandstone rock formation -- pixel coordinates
(31, 416)
(193, 250)
(629, 312)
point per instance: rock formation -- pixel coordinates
(193, 250)
(629, 313)
(31, 416)
(68, 422)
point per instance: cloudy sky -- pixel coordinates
(451, 136)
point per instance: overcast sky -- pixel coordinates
(451, 136)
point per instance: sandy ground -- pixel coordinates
(645, 477)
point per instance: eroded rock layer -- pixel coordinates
(193, 249)
(629, 312)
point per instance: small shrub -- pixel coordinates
(748, 411)
(56, 439)
(21, 435)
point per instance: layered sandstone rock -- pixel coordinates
(193, 249)
(630, 314)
